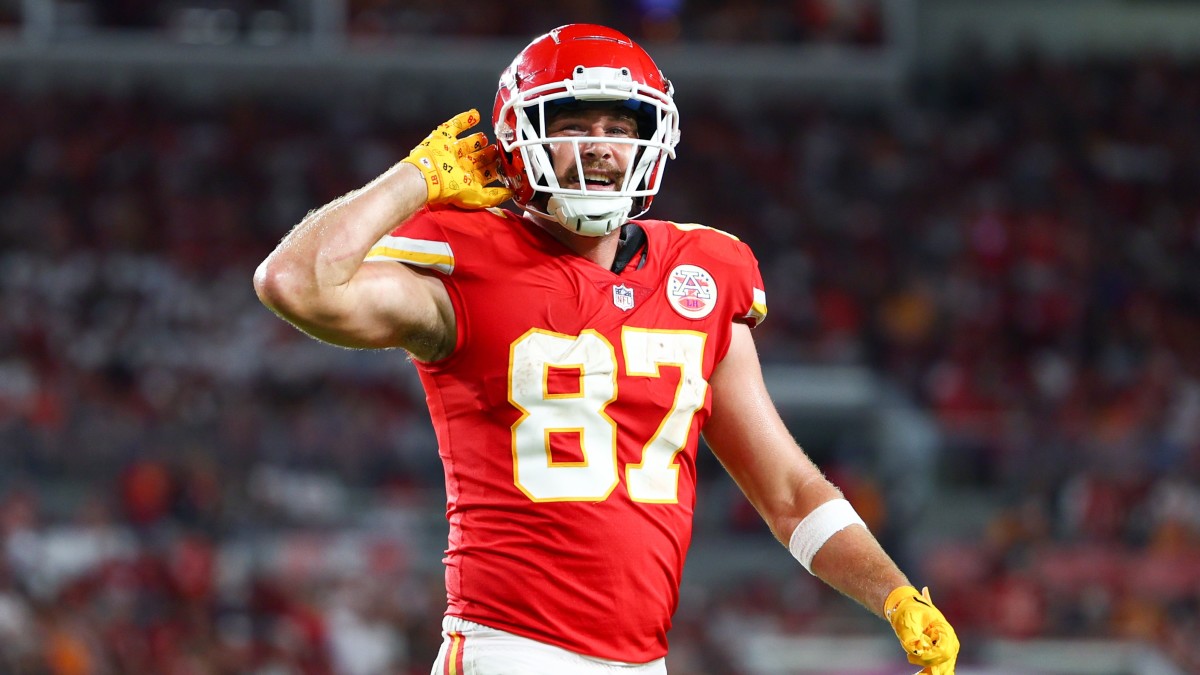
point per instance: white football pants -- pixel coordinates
(472, 649)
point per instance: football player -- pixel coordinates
(572, 355)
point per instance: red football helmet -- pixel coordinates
(583, 63)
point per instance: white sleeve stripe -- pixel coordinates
(758, 308)
(419, 252)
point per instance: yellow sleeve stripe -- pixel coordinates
(688, 227)
(758, 308)
(419, 252)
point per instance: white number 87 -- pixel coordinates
(544, 413)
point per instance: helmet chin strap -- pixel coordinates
(590, 216)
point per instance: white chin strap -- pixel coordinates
(590, 216)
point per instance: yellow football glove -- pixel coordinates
(926, 636)
(457, 171)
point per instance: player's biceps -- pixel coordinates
(741, 408)
(751, 440)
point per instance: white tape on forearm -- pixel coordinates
(818, 526)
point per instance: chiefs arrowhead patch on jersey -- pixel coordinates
(691, 291)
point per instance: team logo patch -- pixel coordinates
(691, 291)
(623, 297)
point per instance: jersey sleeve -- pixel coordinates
(749, 297)
(420, 241)
(756, 304)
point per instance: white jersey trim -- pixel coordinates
(435, 255)
(758, 307)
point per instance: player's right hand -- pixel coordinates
(926, 636)
(458, 170)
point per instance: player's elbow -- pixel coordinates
(291, 292)
(278, 286)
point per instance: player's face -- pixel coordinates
(604, 163)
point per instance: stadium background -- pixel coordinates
(980, 229)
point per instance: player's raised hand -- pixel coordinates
(458, 170)
(926, 636)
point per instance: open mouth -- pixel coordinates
(594, 180)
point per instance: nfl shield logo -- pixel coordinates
(623, 297)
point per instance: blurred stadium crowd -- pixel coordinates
(859, 22)
(190, 486)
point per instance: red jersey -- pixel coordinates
(568, 418)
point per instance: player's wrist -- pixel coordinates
(415, 176)
(424, 172)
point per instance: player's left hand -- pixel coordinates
(926, 636)
(457, 171)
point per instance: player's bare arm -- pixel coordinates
(747, 434)
(317, 278)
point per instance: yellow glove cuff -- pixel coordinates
(896, 596)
